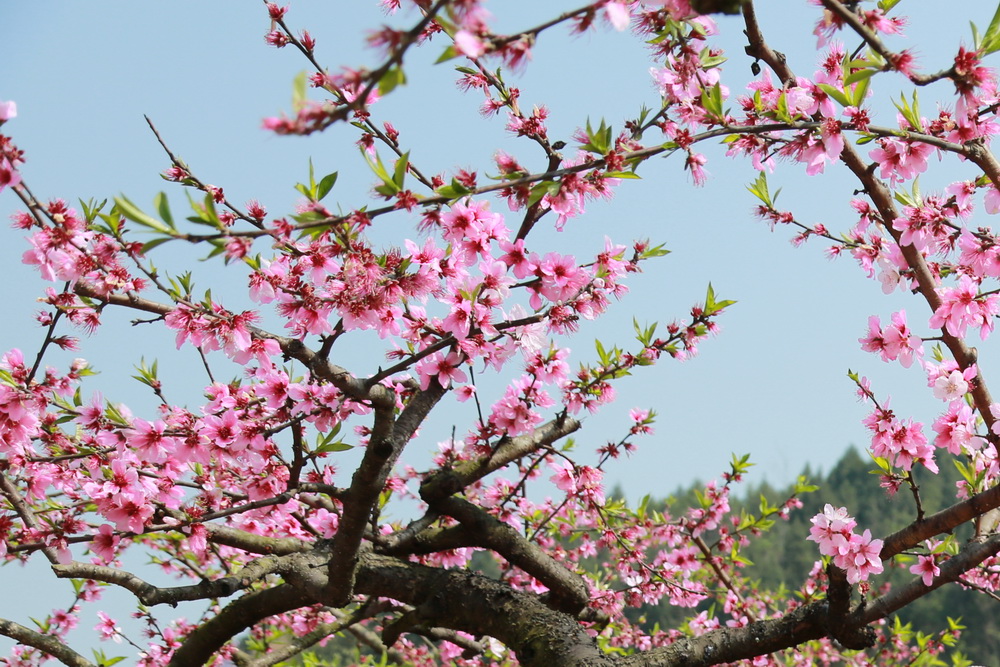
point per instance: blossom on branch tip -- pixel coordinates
(277, 38)
(894, 342)
(8, 110)
(108, 628)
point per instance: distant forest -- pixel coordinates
(783, 556)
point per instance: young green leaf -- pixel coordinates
(135, 214)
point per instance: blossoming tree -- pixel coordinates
(514, 555)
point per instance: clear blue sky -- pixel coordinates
(772, 384)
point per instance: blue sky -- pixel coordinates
(772, 384)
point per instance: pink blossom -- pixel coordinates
(9, 175)
(951, 387)
(8, 110)
(962, 307)
(324, 522)
(564, 477)
(129, 515)
(956, 429)
(992, 200)
(860, 557)
(980, 254)
(895, 342)
(465, 392)
(901, 160)
(108, 628)
(469, 45)
(444, 368)
(831, 527)
(926, 568)
(105, 543)
(695, 163)
(618, 15)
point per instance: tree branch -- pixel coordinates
(257, 544)
(970, 556)
(23, 509)
(150, 595)
(239, 615)
(45, 643)
(567, 590)
(851, 19)
(940, 522)
(338, 376)
(450, 481)
(540, 636)
(388, 439)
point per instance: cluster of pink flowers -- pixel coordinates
(857, 555)
(963, 306)
(902, 443)
(894, 342)
(476, 294)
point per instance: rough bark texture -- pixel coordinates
(540, 636)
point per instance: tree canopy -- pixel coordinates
(294, 502)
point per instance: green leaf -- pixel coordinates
(759, 190)
(333, 447)
(90, 210)
(390, 80)
(163, 208)
(911, 112)
(655, 251)
(711, 305)
(399, 175)
(449, 53)
(741, 464)
(708, 60)
(598, 141)
(711, 101)
(860, 92)
(601, 352)
(210, 214)
(149, 245)
(859, 75)
(103, 660)
(836, 94)
(644, 334)
(299, 87)
(781, 108)
(539, 190)
(218, 247)
(453, 191)
(133, 213)
(378, 167)
(325, 185)
(991, 39)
